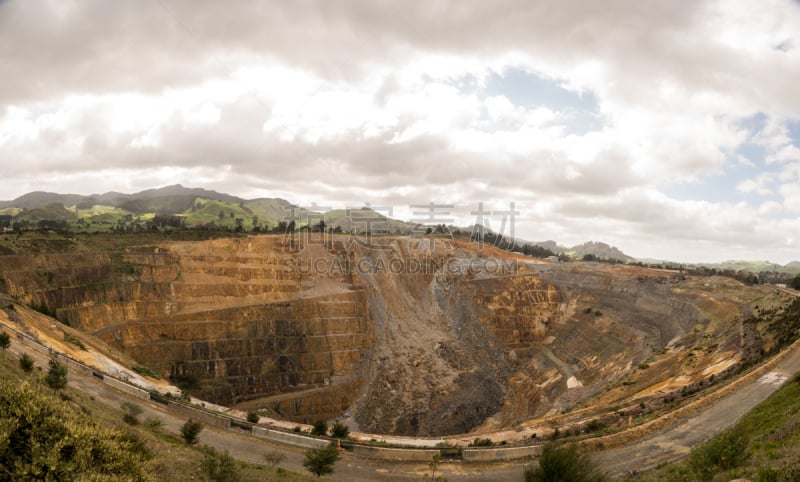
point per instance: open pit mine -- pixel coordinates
(405, 336)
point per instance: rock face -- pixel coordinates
(398, 335)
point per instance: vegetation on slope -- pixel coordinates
(42, 438)
(73, 436)
(763, 446)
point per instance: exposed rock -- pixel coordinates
(402, 335)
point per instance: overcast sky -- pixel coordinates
(670, 129)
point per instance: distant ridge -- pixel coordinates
(198, 206)
(164, 200)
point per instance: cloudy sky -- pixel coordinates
(670, 129)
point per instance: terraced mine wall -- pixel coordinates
(402, 335)
(227, 317)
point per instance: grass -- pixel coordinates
(765, 443)
(146, 372)
(71, 339)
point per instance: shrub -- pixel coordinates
(563, 462)
(132, 412)
(595, 426)
(252, 417)
(726, 451)
(766, 474)
(273, 458)
(5, 340)
(481, 442)
(26, 363)
(219, 466)
(146, 372)
(191, 430)
(320, 428)
(71, 339)
(55, 442)
(339, 430)
(153, 424)
(186, 382)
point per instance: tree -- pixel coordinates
(563, 462)
(5, 340)
(339, 430)
(253, 417)
(795, 283)
(190, 431)
(56, 376)
(26, 363)
(320, 428)
(320, 461)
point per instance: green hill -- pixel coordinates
(205, 212)
(274, 210)
(362, 218)
(102, 215)
(48, 212)
(753, 266)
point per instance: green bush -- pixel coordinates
(253, 417)
(153, 424)
(219, 466)
(52, 441)
(726, 451)
(563, 463)
(132, 412)
(5, 340)
(71, 339)
(339, 430)
(186, 382)
(320, 428)
(146, 372)
(26, 363)
(481, 442)
(273, 458)
(191, 430)
(595, 426)
(766, 474)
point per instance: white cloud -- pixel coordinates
(760, 185)
(363, 101)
